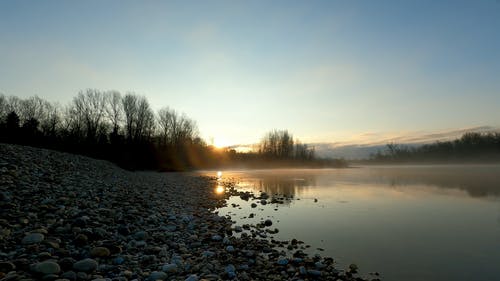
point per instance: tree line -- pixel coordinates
(124, 129)
(106, 125)
(280, 144)
(469, 147)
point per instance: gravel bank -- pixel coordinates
(70, 217)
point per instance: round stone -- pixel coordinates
(100, 252)
(216, 237)
(169, 268)
(157, 275)
(282, 261)
(140, 235)
(314, 272)
(33, 238)
(268, 222)
(85, 265)
(47, 267)
(192, 277)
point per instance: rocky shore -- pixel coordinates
(69, 217)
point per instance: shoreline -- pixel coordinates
(72, 217)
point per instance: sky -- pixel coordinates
(327, 71)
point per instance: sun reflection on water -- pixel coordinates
(219, 189)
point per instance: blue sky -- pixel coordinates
(325, 70)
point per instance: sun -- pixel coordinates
(221, 142)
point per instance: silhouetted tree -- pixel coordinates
(90, 106)
(114, 112)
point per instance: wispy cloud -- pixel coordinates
(410, 137)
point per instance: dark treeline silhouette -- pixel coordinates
(279, 148)
(125, 130)
(471, 147)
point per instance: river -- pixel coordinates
(417, 222)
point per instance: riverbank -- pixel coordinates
(71, 217)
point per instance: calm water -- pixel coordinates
(406, 222)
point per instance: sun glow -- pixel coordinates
(219, 189)
(221, 142)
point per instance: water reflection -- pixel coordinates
(476, 180)
(219, 189)
(407, 222)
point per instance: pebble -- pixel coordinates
(70, 275)
(140, 235)
(118, 260)
(314, 272)
(47, 267)
(216, 237)
(85, 265)
(192, 277)
(157, 275)
(33, 238)
(169, 268)
(282, 261)
(100, 252)
(230, 270)
(208, 254)
(302, 270)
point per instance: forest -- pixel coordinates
(470, 147)
(124, 129)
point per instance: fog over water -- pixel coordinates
(423, 222)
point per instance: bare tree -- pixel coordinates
(277, 144)
(129, 102)
(3, 107)
(90, 105)
(139, 118)
(145, 120)
(31, 109)
(175, 129)
(51, 120)
(114, 110)
(13, 104)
